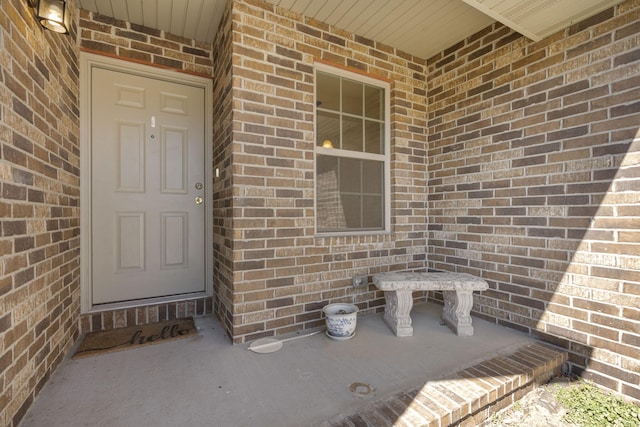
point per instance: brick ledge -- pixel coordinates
(465, 398)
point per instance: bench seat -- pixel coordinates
(457, 289)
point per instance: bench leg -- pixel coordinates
(397, 312)
(457, 311)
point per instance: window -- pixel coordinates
(352, 152)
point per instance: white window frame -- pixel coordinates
(386, 157)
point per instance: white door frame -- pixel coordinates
(88, 61)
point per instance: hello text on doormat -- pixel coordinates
(135, 336)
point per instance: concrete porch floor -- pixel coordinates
(312, 381)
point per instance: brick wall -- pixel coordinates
(223, 287)
(113, 37)
(131, 42)
(282, 274)
(39, 208)
(534, 184)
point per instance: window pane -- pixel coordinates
(328, 92)
(374, 102)
(352, 133)
(372, 211)
(350, 175)
(352, 97)
(327, 164)
(353, 210)
(349, 194)
(329, 209)
(373, 174)
(328, 129)
(374, 137)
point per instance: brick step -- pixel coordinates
(465, 398)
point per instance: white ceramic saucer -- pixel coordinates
(339, 338)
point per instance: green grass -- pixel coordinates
(589, 406)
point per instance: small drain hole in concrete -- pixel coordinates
(361, 389)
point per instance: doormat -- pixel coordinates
(119, 339)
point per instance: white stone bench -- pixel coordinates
(458, 298)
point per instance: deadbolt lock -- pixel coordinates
(198, 186)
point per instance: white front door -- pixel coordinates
(147, 187)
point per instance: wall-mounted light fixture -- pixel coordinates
(327, 143)
(52, 14)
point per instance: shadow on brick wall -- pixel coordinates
(534, 187)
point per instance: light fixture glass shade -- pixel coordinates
(54, 15)
(327, 143)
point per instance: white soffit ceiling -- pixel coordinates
(420, 27)
(538, 19)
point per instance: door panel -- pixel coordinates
(129, 244)
(130, 162)
(174, 160)
(175, 239)
(147, 157)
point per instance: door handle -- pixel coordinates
(199, 200)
